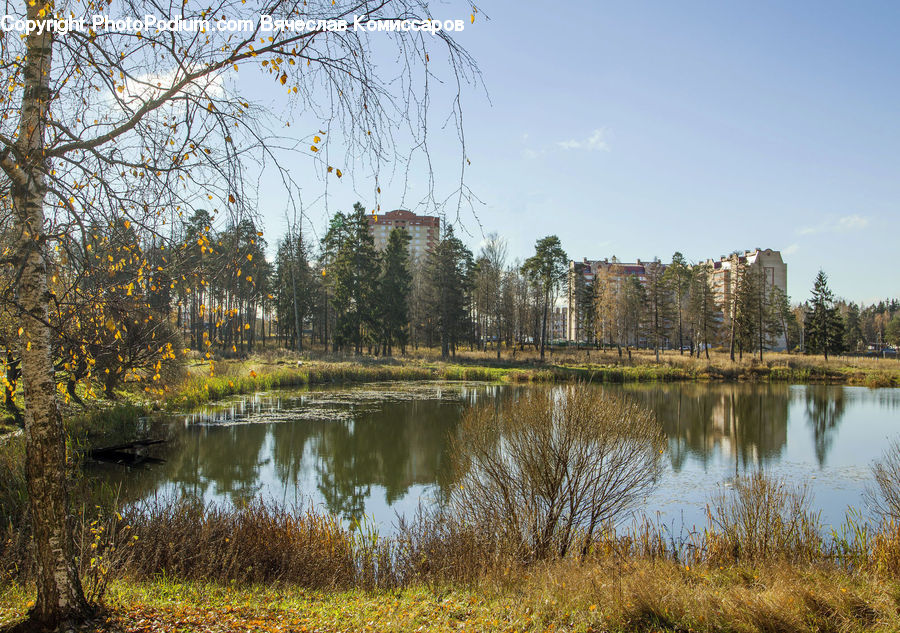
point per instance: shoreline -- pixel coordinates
(248, 376)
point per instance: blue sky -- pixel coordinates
(640, 128)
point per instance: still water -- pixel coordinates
(381, 450)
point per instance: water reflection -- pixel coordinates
(335, 449)
(824, 410)
(380, 449)
(743, 422)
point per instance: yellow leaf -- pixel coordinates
(316, 139)
(252, 374)
(338, 172)
(249, 257)
(283, 79)
(313, 148)
(230, 198)
(246, 326)
(21, 329)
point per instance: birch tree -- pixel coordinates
(142, 126)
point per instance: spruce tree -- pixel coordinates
(354, 274)
(824, 328)
(393, 292)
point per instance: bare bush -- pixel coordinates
(551, 467)
(884, 498)
(762, 518)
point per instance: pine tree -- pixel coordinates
(678, 279)
(293, 287)
(659, 304)
(546, 270)
(702, 309)
(634, 310)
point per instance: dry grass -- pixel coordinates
(763, 519)
(280, 369)
(441, 575)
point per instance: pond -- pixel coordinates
(382, 449)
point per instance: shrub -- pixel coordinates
(884, 499)
(761, 518)
(553, 466)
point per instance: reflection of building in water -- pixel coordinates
(750, 427)
(745, 424)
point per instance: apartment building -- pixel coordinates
(722, 280)
(588, 270)
(424, 230)
(724, 277)
(558, 322)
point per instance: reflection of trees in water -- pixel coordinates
(825, 406)
(396, 446)
(227, 457)
(199, 460)
(289, 442)
(746, 422)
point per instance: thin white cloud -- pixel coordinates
(595, 142)
(843, 224)
(790, 250)
(852, 222)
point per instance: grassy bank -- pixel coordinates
(265, 569)
(280, 369)
(271, 372)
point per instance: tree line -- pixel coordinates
(125, 308)
(678, 305)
